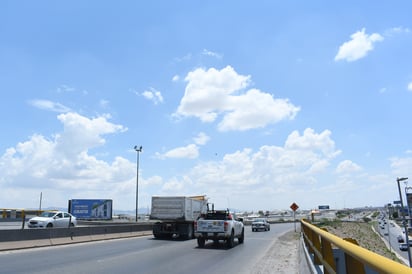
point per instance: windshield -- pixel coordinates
(47, 214)
(258, 220)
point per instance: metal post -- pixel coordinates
(404, 222)
(138, 150)
(407, 203)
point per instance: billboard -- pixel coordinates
(93, 209)
(323, 207)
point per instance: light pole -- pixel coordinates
(405, 224)
(138, 150)
(407, 202)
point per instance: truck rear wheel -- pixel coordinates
(241, 239)
(189, 234)
(230, 242)
(201, 242)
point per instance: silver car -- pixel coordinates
(260, 224)
(52, 219)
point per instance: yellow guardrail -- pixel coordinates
(15, 213)
(319, 243)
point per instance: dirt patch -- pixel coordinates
(281, 257)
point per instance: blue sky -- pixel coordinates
(256, 105)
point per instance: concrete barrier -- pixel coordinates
(26, 238)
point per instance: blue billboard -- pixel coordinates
(91, 209)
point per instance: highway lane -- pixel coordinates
(145, 255)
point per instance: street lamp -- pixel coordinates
(404, 222)
(138, 150)
(407, 194)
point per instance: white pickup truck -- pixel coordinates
(219, 225)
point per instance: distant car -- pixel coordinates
(52, 219)
(400, 239)
(260, 224)
(403, 247)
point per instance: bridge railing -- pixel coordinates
(319, 244)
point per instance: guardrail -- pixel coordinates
(357, 260)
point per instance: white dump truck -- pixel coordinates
(176, 215)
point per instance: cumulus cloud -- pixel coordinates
(347, 167)
(410, 86)
(201, 139)
(271, 171)
(358, 47)
(63, 164)
(211, 93)
(190, 151)
(49, 105)
(153, 95)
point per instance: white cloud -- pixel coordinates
(396, 30)
(215, 92)
(201, 139)
(190, 152)
(63, 166)
(312, 141)
(65, 88)
(410, 86)
(49, 105)
(153, 95)
(347, 166)
(212, 54)
(175, 78)
(272, 171)
(358, 47)
(401, 166)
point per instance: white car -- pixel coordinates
(260, 224)
(52, 219)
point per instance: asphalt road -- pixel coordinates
(144, 255)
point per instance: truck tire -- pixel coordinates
(241, 239)
(201, 242)
(230, 242)
(189, 234)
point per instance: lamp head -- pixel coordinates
(401, 179)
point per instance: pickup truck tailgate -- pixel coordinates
(210, 226)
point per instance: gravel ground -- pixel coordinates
(281, 257)
(364, 235)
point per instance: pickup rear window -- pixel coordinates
(218, 215)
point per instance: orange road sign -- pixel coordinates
(294, 206)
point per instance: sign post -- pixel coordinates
(294, 207)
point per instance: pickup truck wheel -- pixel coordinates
(241, 239)
(231, 240)
(201, 242)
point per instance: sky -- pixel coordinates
(256, 104)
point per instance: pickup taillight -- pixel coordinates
(226, 225)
